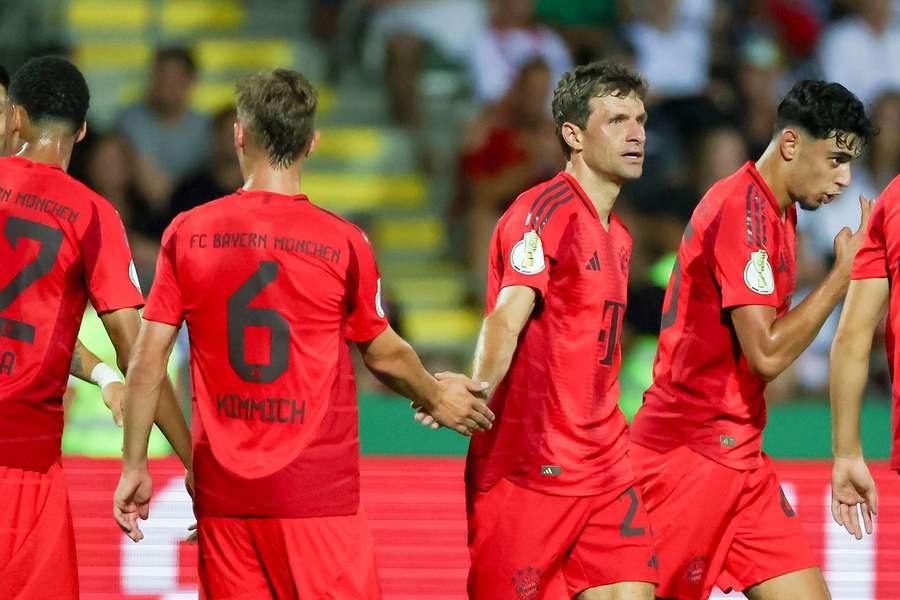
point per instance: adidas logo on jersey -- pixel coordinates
(594, 263)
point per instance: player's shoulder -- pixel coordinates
(201, 212)
(554, 199)
(891, 193)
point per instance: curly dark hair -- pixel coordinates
(826, 110)
(4, 77)
(571, 99)
(51, 90)
(278, 107)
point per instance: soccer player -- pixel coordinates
(872, 293)
(552, 505)
(85, 364)
(273, 289)
(60, 245)
(718, 512)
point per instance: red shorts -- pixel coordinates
(528, 545)
(37, 543)
(317, 557)
(714, 525)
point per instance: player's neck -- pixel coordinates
(601, 191)
(50, 150)
(771, 168)
(263, 178)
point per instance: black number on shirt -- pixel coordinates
(241, 316)
(626, 529)
(668, 317)
(611, 334)
(51, 240)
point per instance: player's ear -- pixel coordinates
(571, 134)
(82, 131)
(16, 119)
(238, 135)
(789, 143)
(312, 143)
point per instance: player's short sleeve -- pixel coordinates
(111, 278)
(165, 303)
(366, 320)
(526, 251)
(742, 255)
(871, 259)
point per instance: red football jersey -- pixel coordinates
(879, 257)
(737, 250)
(60, 244)
(271, 288)
(559, 429)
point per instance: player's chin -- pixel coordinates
(810, 203)
(631, 170)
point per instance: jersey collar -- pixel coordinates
(580, 193)
(271, 195)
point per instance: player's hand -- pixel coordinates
(192, 537)
(460, 406)
(424, 419)
(113, 394)
(132, 501)
(846, 244)
(852, 485)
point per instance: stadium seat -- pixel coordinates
(428, 291)
(413, 235)
(243, 55)
(353, 192)
(121, 16)
(179, 17)
(350, 144)
(112, 56)
(441, 328)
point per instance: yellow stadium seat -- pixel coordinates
(180, 16)
(106, 56)
(429, 290)
(119, 15)
(212, 97)
(428, 327)
(350, 143)
(243, 55)
(410, 234)
(348, 193)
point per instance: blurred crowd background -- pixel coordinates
(434, 115)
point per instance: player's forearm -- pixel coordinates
(83, 362)
(494, 351)
(791, 334)
(143, 386)
(397, 365)
(847, 381)
(170, 421)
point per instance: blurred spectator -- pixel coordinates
(587, 27)
(511, 40)
(862, 51)
(759, 77)
(879, 164)
(402, 31)
(107, 165)
(506, 149)
(220, 177)
(170, 138)
(672, 42)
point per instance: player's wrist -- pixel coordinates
(103, 375)
(852, 451)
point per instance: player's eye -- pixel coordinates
(617, 119)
